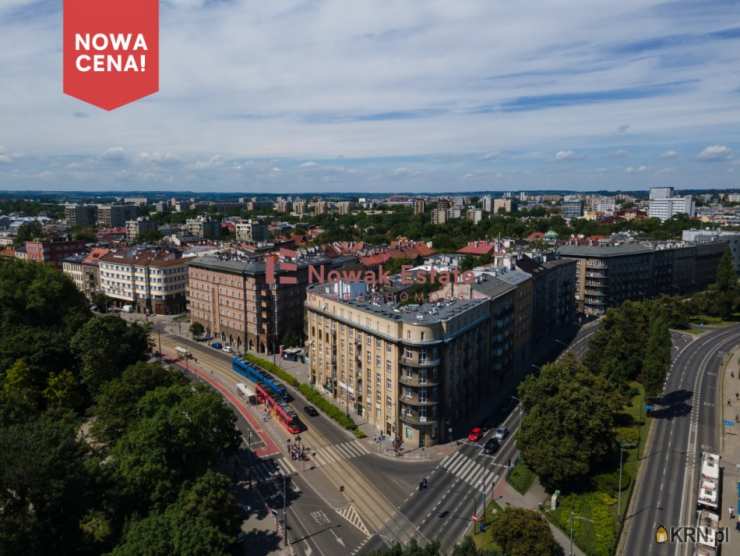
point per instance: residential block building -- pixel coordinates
(608, 275)
(251, 231)
(138, 227)
(417, 372)
(664, 205)
(80, 215)
(52, 252)
(203, 227)
(152, 280)
(116, 215)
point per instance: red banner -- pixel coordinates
(111, 50)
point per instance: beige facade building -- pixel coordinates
(150, 280)
(420, 206)
(416, 372)
(501, 205)
(251, 231)
(439, 216)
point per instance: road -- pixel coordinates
(686, 425)
(340, 502)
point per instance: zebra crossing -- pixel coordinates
(326, 455)
(466, 469)
(266, 469)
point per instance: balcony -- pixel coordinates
(414, 418)
(419, 362)
(418, 380)
(418, 401)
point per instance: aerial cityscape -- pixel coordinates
(324, 278)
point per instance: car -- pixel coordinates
(311, 410)
(227, 349)
(217, 345)
(492, 446)
(475, 434)
(501, 433)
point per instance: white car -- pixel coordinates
(501, 433)
(227, 349)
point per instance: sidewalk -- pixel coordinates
(505, 495)
(730, 443)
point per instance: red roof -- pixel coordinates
(478, 248)
(535, 235)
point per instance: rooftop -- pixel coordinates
(604, 250)
(426, 313)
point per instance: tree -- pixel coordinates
(106, 346)
(521, 532)
(657, 357)
(43, 487)
(28, 231)
(726, 286)
(63, 390)
(116, 404)
(196, 329)
(203, 520)
(180, 434)
(567, 427)
(101, 301)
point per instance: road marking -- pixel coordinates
(350, 514)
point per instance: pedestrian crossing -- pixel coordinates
(326, 455)
(266, 469)
(466, 469)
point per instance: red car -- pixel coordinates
(475, 434)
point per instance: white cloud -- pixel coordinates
(309, 164)
(669, 154)
(636, 169)
(5, 156)
(566, 155)
(114, 154)
(715, 152)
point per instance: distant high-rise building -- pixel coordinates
(420, 206)
(664, 205)
(116, 216)
(487, 203)
(251, 231)
(343, 207)
(320, 207)
(501, 205)
(282, 205)
(299, 207)
(204, 227)
(439, 216)
(572, 208)
(135, 228)
(474, 215)
(81, 215)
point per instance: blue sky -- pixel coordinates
(398, 95)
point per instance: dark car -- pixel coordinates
(492, 446)
(311, 410)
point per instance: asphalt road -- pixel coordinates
(684, 426)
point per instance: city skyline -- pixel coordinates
(299, 97)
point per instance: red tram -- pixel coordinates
(281, 410)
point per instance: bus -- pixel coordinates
(282, 410)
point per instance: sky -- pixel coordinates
(291, 96)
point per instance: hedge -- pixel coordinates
(310, 393)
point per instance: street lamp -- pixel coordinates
(572, 517)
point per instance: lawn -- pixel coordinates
(484, 540)
(598, 502)
(520, 477)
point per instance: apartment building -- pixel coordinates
(52, 252)
(572, 208)
(608, 275)
(417, 372)
(474, 215)
(116, 216)
(439, 216)
(502, 205)
(238, 302)
(250, 231)
(420, 205)
(343, 207)
(664, 205)
(203, 227)
(703, 236)
(78, 215)
(138, 227)
(152, 280)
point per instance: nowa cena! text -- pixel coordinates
(129, 44)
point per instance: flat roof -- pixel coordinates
(426, 313)
(601, 251)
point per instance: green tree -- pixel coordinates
(657, 357)
(204, 520)
(567, 426)
(116, 404)
(196, 329)
(521, 532)
(180, 434)
(106, 346)
(726, 286)
(43, 487)
(63, 390)
(28, 231)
